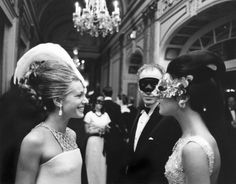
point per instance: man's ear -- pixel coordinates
(57, 102)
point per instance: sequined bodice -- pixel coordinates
(66, 140)
(66, 166)
(174, 167)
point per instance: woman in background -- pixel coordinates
(49, 153)
(191, 92)
(97, 123)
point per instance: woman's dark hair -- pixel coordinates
(107, 91)
(94, 102)
(205, 90)
(205, 93)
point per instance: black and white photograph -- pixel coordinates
(117, 91)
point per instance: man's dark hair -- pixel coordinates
(107, 91)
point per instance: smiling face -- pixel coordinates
(148, 79)
(74, 101)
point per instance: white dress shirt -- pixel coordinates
(233, 114)
(107, 98)
(142, 121)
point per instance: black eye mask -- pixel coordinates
(99, 102)
(148, 84)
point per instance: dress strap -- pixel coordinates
(66, 140)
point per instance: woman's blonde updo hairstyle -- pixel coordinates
(49, 80)
(45, 72)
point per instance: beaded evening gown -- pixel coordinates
(174, 168)
(64, 167)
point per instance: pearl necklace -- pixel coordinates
(66, 140)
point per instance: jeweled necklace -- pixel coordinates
(99, 114)
(66, 140)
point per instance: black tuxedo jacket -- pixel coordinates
(231, 130)
(155, 144)
(114, 143)
(113, 110)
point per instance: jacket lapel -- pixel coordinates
(134, 127)
(146, 133)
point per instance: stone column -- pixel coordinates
(121, 42)
(149, 32)
(9, 42)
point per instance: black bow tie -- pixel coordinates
(147, 109)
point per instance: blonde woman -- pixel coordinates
(49, 153)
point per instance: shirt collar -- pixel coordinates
(152, 109)
(107, 98)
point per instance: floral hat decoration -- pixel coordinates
(169, 87)
(43, 52)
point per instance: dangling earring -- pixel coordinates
(60, 110)
(182, 104)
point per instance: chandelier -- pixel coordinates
(95, 18)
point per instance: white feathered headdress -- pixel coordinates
(44, 52)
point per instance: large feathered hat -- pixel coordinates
(44, 52)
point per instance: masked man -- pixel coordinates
(152, 135)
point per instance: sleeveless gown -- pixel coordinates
(64, 168)
(174, 167)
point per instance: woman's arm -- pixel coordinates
(90, 128)
(195, 164)
(29, 159)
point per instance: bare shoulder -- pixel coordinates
(192, 147)
(33, 141)
(193, 155)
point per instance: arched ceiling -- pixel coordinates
(193, 26)
(56, 25)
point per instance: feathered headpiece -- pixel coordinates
(44, 52)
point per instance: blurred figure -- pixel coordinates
(16, 122)
(49, 153)
(97, 123)
(122, 101)
(115, 139)
(231, 117)
(133, 113)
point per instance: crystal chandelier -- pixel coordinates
(95, 19)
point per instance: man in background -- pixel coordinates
(115, 145)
